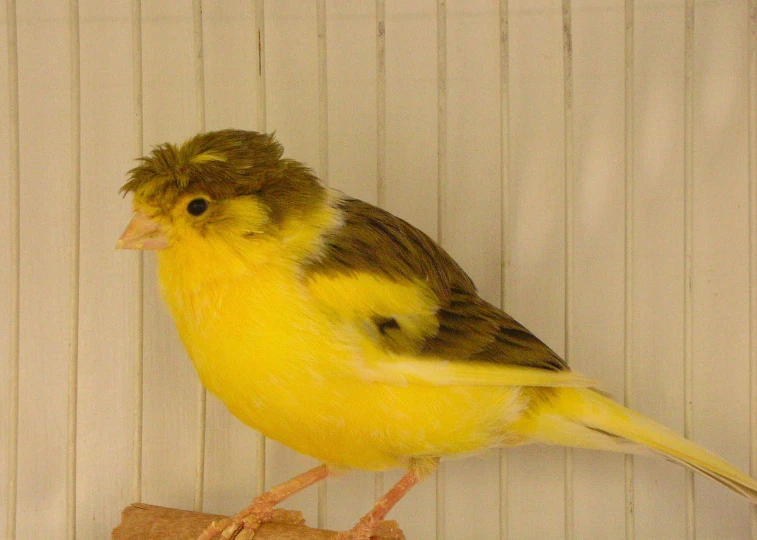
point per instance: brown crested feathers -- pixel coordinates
(374, 241)
(225, 164)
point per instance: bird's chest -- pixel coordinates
(259, 346)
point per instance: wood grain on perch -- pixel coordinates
(141, 521)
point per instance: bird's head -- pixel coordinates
(222, 187)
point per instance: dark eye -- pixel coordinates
(197, 207)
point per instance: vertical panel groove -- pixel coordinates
(75, 81)
(323, 158)
(568, 157)
(752, 96)
(504, 93)
(380, 102)
(15, 264)
(378, 485)
(441, 56)
(688, 331)
(628, 329)
(261, 118)
(260, 31)
(323, 98)
(199, 67)
(199, 63)
(136, 43)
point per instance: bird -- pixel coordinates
(347, 334)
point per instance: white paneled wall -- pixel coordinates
(591, 163)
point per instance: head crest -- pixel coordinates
(221, 163)
(225, 164)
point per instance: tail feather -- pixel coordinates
(739, 486)
(586, 419)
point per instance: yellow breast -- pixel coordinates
(262, 345)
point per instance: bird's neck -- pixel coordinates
(196, 274)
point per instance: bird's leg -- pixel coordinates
(370, 524)
(261, 509)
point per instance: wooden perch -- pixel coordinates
(147, 522)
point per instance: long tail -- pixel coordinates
(586, 419)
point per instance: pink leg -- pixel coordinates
(369, 524)
(261, 509)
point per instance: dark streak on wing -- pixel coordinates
(374, 241)
(384, 324)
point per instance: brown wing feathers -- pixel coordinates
(471, 328)
(372, 240)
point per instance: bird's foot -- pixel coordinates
(244, 524)
(366, 529)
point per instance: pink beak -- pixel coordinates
(142, 232)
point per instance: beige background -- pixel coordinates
(587, 162)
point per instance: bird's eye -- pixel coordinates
(197, 207)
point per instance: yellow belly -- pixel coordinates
(372, 426)
(286, 370)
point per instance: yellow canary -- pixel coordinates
(347, 334)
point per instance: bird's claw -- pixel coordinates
(243, 525)
(214, 528)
